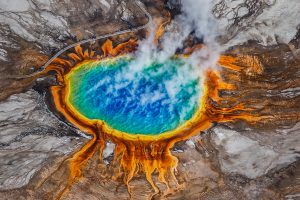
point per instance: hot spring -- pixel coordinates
(147, 100)
(143, 109)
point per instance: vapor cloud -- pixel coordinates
(195, 18)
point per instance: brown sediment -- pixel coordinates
(25, 62)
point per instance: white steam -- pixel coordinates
(195, 18)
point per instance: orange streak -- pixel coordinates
(161, 29)
(228, 62)
(109, 50)
(62, 62)
(74, 56)
(78, 50)
(86, 54)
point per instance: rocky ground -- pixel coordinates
(228, 161)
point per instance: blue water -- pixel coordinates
(156, 99)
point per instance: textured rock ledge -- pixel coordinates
(30, 137)
(254, 154)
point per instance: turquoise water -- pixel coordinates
(155, 99)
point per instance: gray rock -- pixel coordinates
(263, 21)
(30, 137)
(254, 157)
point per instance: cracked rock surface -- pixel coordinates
(256, 155)
(267, 21)
(30, 136)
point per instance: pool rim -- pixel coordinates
(196, 118)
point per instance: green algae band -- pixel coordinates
(146, 100)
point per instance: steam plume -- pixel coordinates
(196, 19)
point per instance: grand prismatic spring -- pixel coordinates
(139, 113)
(149, 99)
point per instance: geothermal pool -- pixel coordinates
(150, 100)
